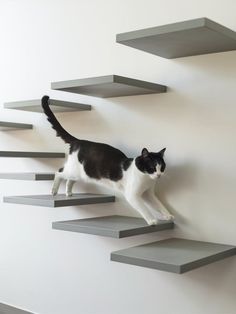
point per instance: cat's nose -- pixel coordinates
(159, 175)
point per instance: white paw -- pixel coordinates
(152, 221)
(167, 217)
(54, 193)
(68, 194)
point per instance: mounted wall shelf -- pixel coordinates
(16, 154)
(7, 309)
(59, 200)
(111, 226)
(174, 255)
(109, 86)
(12, 126)
(55, 105)
(182, 39)
(31, 176)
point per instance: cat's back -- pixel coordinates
(101, 160)
(99, 151)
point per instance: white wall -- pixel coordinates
(52, 272)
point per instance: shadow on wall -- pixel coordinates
(215, 275)
(211, 281)
(221, 65)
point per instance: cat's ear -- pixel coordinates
(161, 152)
(145, 152)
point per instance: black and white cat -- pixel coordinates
(101, 163)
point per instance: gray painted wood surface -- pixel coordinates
(182, 39)
(20, 154)
(7, 309)
(59, 200)
(12, 126)
(111, 226)
(174, 255)
(31, 176)
(109, 86)
(56, 105)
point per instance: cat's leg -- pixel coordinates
(139, 205)
(69, 186)
(56, 184)
(156, 206)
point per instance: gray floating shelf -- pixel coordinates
(182, 39)
(31, 154)
(109, 86)
(7, 309)
(11, 126)
(174, 255)
(111, 226)
(31, 176)
(59, 200)
(56, 105)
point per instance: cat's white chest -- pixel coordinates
(135, 182)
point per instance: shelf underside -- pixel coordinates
(55, 105)
(12, 126)
(109, 86)
(174, 255)
(31, 176)
(60, 200)
(7, 309)
(111, 226)
(182, 39)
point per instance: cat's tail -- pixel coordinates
(61, 132)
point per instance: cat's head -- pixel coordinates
(151, 163)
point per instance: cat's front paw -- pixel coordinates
(167, 217)
(54, 193)
(68, 194)
(152, 222)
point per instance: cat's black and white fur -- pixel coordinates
(104, 164)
